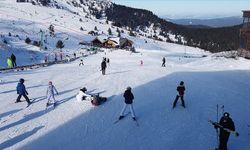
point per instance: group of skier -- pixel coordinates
(50, 93)
(11, 61)
(225, 122)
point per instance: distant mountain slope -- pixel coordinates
(217, 22)
(214, 40)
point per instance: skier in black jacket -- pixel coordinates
(180, 89)
(163, 62)
(225, 122)
(128, 95)
(103, 67)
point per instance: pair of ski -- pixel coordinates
(135, 120)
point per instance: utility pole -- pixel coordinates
(41, 41)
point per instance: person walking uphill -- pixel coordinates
(129, 97)
(226, 123)
(50, 94)
(180, 89)
(21, 91)
(103, 67)
(163, 62)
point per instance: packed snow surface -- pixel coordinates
(80, 125)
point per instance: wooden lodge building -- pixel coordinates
(109, 42)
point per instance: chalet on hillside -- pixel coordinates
(244, 49)
(125, 43)
(111, 43)
(98, 41)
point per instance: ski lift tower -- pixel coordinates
(245, 35)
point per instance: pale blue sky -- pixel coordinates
(190, 8)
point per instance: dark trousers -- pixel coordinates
(25, 96)
(14, 63)
(223, 142)
(103, 71)
(176, 99)
(163, 64)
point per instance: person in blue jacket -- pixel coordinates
(21, 91)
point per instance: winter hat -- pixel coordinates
(226, 114)
(84, 89)
(128, 88)
(21, 80)
(50, 82)
(181, 83)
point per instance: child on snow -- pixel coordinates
(81, 63)
(21, 90)
(95, 99)
(128, 95)
(180, 89)
(50, 93)
(83, 96)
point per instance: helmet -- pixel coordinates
(226, 114)
(50, 82)
(128, 88)
(21, 80)
(181, 83)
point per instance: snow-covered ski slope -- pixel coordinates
(79, 125)
(26, 20)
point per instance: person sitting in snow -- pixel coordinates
(95, 99)
(180, 89)
(83, 96)
(50, 94)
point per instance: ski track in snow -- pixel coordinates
(154, 90)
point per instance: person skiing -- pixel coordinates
(74, 55)
(9, 62)
(81, 63)
(227, 123)
(180, 89)
(141, 62)
(13, 59)
(83, 96)
(163, 62)
(129, 97)
(50, 94)
(21, 91)
(103, 67)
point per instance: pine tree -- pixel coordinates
(59, 44)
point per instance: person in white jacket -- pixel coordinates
(50, 93)
(83, 96)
